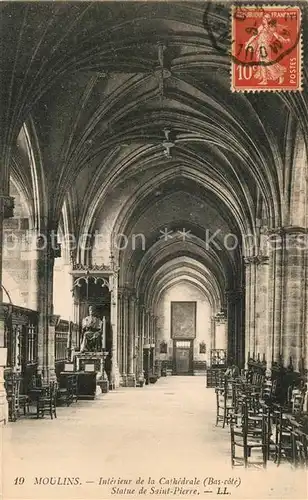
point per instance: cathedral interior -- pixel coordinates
(136, 183)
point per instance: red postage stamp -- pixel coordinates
(266, 48)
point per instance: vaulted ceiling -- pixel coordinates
(86, 94)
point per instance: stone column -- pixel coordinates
(212, 342)
(220, 325)
(250, 309)
(275, 295)
(294, 305)
(53, 321)
(157, 346)
(261, 307)
(120, 330)
(76, 312)
(6, 211)
(115, 376)
(136, 339)
(131, 379)
(150, 327)
(44, 250)
(125, 338)
(141, 337)
(147, 345)
(152, 342)
(213, 334)
(236, 337)
(147, 326)
(304, 367)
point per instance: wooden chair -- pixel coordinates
(224, 405)
(283, 439)
(299, 448)
(297, 401)
(248, 436)
(24, 403)
(65, 393)
(46, 402)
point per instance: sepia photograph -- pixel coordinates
(153, 250)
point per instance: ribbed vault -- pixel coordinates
(180, 270)
(92, 95)
(88, 93)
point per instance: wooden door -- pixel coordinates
(183, 357)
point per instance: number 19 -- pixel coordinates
(19, 480)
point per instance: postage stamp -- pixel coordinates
(266, 48)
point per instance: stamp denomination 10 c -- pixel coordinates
(266, 48)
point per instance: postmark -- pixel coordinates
(216, 24)
(266, 48)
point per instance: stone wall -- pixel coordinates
(185, 292)
(16, 262)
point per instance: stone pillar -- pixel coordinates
(115, 376)
(141, 336)
(287, 295)
(120, 330)
(150, 327)
(147, 326)
(213, 334)
(152, 342)
(44, 250)
(76, 313)
(236, 338)
(125, 338)
(261, 307)
(212, 342)
(256, 310)
(53, 321)
(305, 336)
(250, 309)
(275, 295)
(136, 339)
(221, 333)
(6, 211)
(294, 305)
(147, 345)
(131, 379)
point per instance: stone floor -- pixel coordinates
(135, 439)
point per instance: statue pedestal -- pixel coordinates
(92, 376)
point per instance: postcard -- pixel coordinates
(153, 250)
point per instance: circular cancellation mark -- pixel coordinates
(219, 33)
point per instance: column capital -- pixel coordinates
(262, 259)
(256, 259)
(286, 230)
(250, 260)
(287, 237)
(234, 295)
(54, 319)
(123, 292)
(133, 298)
(220, 317)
